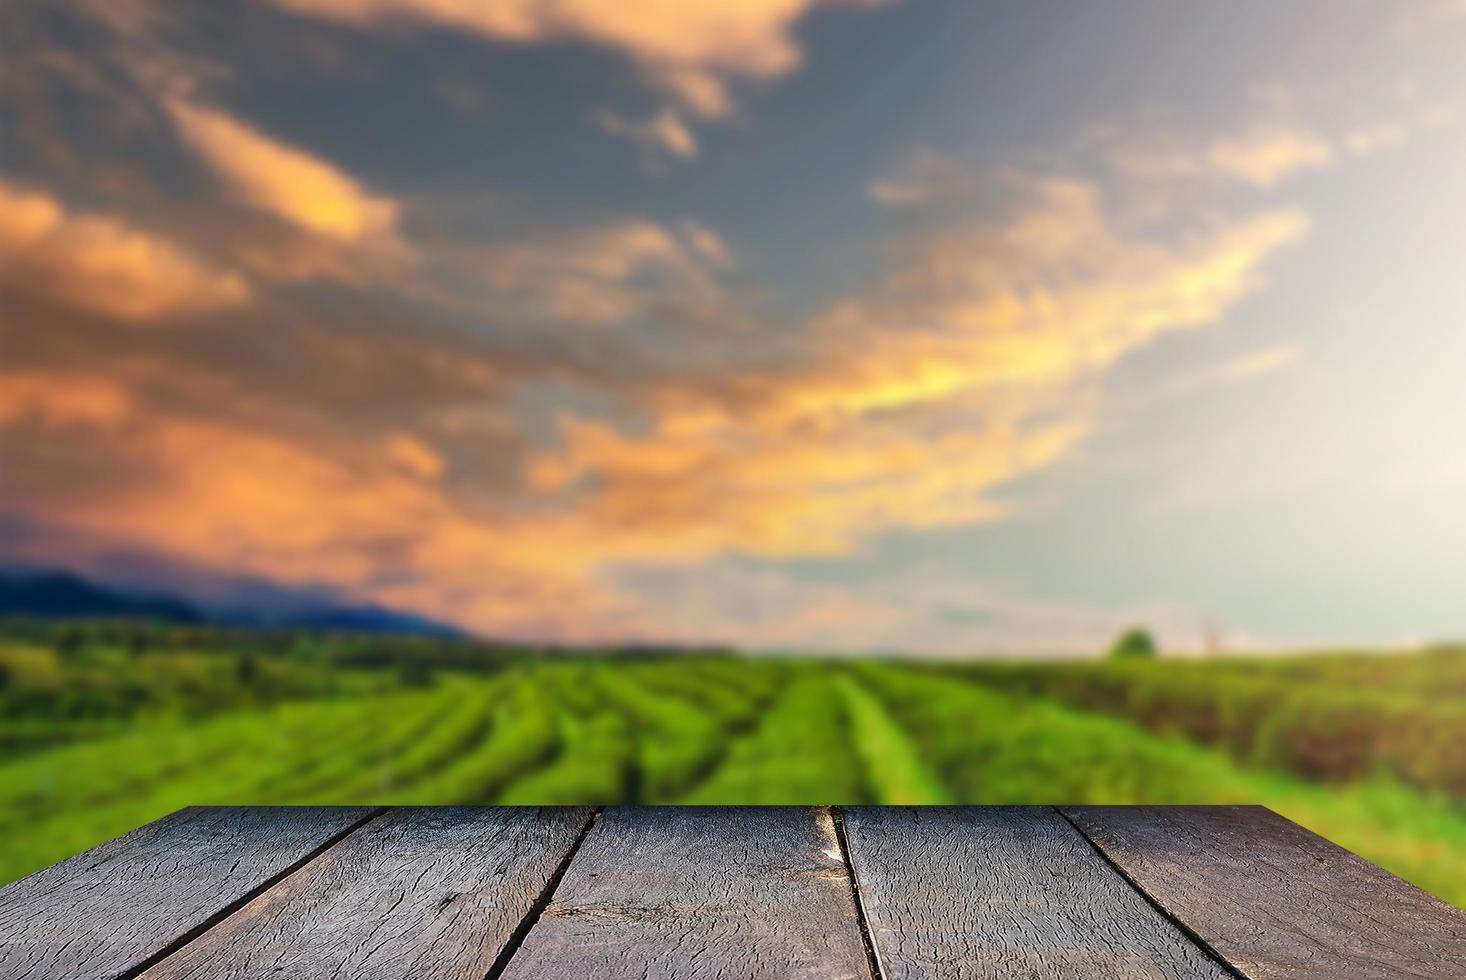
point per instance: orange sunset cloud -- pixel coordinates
(289, 183)
(372, 297)
(960, 368)
(691, 49)
(99, 264)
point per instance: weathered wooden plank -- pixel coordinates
(742, 893)
(431, 892)
(106, 911)
(1005, 892)
(1276, 900)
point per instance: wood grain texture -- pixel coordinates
(1276, 900)
(720, 893)
(106, 911)
(1002, 893)
(430, 892)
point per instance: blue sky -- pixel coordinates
(834, 325)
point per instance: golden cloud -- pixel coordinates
(283, 181)
(596, 276)
(952, 375)
(968, 362)
(690, 49)
(34, 398)
(100, 265)
(289, 506)
(1264, 153)
(665, 132)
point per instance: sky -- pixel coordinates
(794, 324)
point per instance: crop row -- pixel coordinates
(703, 730)
(576, 731)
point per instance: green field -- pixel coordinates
(106, 727)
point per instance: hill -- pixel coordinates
(48, 594)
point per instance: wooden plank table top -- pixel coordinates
(723, 893)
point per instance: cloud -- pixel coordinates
(498, 431)
(924, 177)
(414, 456)
(36, 398)
(959, 370)
(1237, 369)
(1411, 117)
(1266, 156)
(509, 417)
(592, 276)
(1124, 405)
(1428, 17)
(1264, 153)
(100, 265)
(464, 95)
(283, 181)
(690, 50)
(1375, 137)
(968, 362)
(920, 610)
(664, 134)
(289, 505)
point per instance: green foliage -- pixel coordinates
(897, 769)
(246, 669)
(1335, 720)
(800, 752)
(678, 743)
(522, 735)
(414, 673)
(128, 726)
(1135, 643)
(69, 644)
(85, 678)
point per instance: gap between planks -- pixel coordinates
(872, 955)
(547, 894)
(247, 897)
(1165, 913)
(501, 962)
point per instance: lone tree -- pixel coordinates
(1135, 643)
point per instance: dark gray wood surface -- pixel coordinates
(432, 892)
(1003, 893)
(106, 911)
(722, 893)
(1276, 900)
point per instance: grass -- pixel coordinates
(1328, 719)
(897, 772)
(1357, 748)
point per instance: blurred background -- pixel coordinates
(792, 401)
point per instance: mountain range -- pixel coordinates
(54, 594)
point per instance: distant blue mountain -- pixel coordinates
(342, 619)
(63, 595)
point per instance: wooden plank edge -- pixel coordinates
(872, 954)
(1150, 900)
(546, 895)
(151, 961)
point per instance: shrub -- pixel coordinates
(1134, 644)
